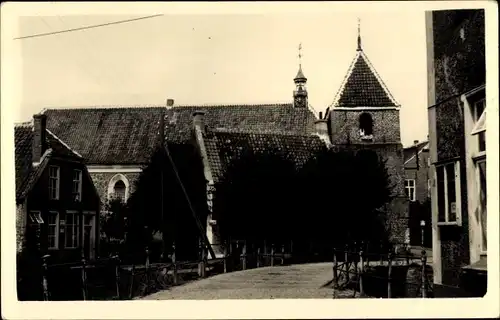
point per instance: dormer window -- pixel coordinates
(366, 126)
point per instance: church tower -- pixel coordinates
(300, 93)
(365, 117)
(364, 111)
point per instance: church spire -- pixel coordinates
(359, 35)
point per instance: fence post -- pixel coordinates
(283, 254)
(258, 257)
(117, 276)
(225, 258)
(46, 296)
(335, 277)
(174, 265)
(201, 265)
(132, 282)
(381, 255)
(244, 256)
(389, 276)
(272, 255)
(147, 270)
(361, 274)
(84, 277)
(424, 277)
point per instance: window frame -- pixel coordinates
(56, 235)
(75, 226)
(412, 189)
(58, 181)
(458, 194)
(477, 172)
(80, 181)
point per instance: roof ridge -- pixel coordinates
(100, 107)
(264, 134)
(344, 81)
(24, 124)
(63, 143)
(232, 104)
(379, 78)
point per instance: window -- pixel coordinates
(448, 189)
(365, 126)
(72, 230)
(481, 169)
(478, 109)
(119, 190)
(410, 189)
(53, 230)
(54, 182)
(36, 218)
(77, 185)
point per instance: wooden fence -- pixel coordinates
(110, 279)
(378, 274)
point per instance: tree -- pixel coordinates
(159, 204)
(253, 197)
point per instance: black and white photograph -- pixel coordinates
(282, 154)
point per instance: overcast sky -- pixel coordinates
(209, 59)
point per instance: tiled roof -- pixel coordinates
(223, 147)
(272, 118)
(26, 174)
(363, 87)
(108, 135)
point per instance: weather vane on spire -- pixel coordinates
(359, 34)
(300, 53)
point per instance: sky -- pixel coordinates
(220, 59)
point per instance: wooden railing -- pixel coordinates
(352, 269)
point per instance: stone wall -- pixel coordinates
(21, 217)
(101, 181)
(459, 60)
(344, 126)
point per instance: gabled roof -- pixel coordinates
(26, 173)
(409, 153)
(363, 87)
(281, 119)
(223, 147)
(108, 135)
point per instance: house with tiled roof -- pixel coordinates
(418, 190)
(364, 115)
(56, 202)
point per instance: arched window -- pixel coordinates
(119, 190)
(365, 125)
(118, 187)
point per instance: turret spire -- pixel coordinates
(300, 75)
(300, 92)
(359, 35)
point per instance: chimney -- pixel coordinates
(322, 130)
(198, 120)
(320, 115)
(415, 141)
(170, 102)
(39, 144)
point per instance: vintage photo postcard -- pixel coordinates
(250, 160)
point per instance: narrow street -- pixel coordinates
(303, 281)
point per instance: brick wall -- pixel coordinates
(101, 181)
(344, 126)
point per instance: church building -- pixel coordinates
(117, 142)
